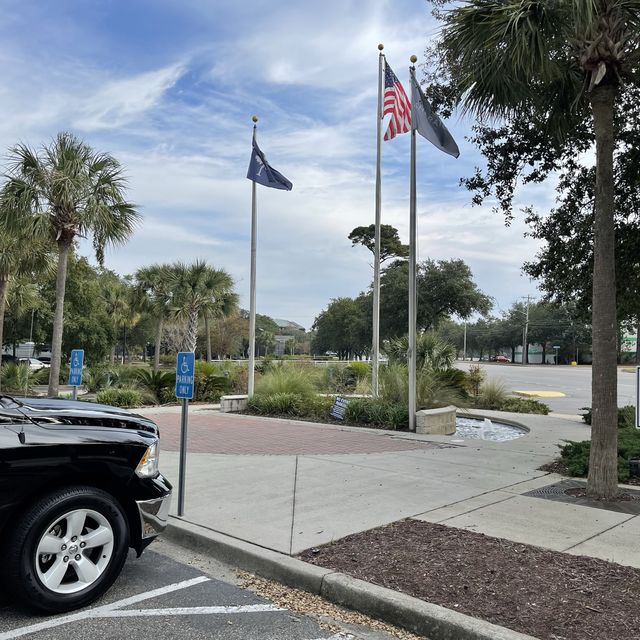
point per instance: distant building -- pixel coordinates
(287, 325)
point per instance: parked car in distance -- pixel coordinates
(79, 485)
(501, 359)
(45, 359)
(34, 363)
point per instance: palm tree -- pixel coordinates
(220, 305)
(115, 299)
(152, 293)
(20, 255)
(67, 189)
(196, 287)
(567, 62)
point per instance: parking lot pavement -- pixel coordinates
(159, 597)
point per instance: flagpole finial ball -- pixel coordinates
(254, 118)
(414, 59)
(380, 47)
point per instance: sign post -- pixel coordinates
(637, 397)
(557, 349)
(76, 363)
(185, 375)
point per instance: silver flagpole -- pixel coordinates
(412, 263)
(252, 294)
(376, 260)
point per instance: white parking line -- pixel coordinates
(91, 613)
(188, 611)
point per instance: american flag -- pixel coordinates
(397, 104)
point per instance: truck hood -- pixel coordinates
(47, 411)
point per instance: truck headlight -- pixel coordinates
(148, 465)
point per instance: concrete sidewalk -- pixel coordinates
(287, 485)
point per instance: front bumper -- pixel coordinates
(154, 515)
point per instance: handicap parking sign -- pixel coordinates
(76, 362)
(185, 374)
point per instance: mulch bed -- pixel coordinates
(546, 594)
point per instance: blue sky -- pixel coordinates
(169, 87)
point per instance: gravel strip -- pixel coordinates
(314, 606)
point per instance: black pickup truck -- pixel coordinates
(79, 485)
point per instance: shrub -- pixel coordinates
(123, 397)
(359, 370)
(431, 351)
(281, 404)
(15, 377)
(376, 412)
(98, 377)
(286, 379)
(492, 396)
(210, 387)
(454, 378)
(433, 388)
(626, 416)
(339, 378)
(155, 382)
(41, 376)
(168, 396)
(575, 455)
(524, 405)
(264, 365)
(475, 378)
(124, 375)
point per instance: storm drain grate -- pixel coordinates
(628, 502)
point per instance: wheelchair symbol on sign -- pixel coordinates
(184, 367)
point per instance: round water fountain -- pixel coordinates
(485, 429)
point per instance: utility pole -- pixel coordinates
(525, 346)
(464, 344)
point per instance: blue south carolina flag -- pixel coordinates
(261, 172)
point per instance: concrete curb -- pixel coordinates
(418, 616)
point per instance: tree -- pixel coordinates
(444, 288)
(227, 333)
(152, 294)
(390, 245)
(558, 67)
(20, 255)
(219, 306)
(194, 287)
(87, 323)
(116, 299)
(62, 191)
(337, 329)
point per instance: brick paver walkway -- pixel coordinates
(246, 435)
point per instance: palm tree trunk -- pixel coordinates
(603, 461)
(207, 330)
(191, 337)
(64, 246)
(156, 355)
(112, 356)
(4, 285)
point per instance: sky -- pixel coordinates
(169, 88)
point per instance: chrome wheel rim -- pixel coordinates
(74, 551)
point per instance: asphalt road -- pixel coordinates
(574, 382)
(171, 594)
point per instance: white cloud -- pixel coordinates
(120, 101)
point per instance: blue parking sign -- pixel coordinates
(76, 363)
(185, 374)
